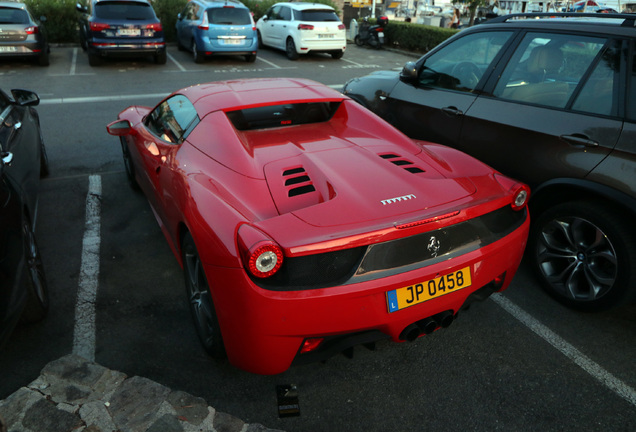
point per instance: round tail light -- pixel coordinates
(262, 256)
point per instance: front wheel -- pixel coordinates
(128, 164)
(200, 300)
(37, 304)
(585, 255)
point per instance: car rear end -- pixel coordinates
(319, 30)
(227, 30)
(125, 28)
(20, 36)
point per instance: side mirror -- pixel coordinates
(179, 17)
(7, 158)
(25, 97)
(81, 8)
(409, 72)
(119, 128)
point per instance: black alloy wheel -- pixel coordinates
(200, 301)
(585, 255)
(37, 304)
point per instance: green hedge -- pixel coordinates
(61, 22)
(415, 37)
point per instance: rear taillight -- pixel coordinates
(520, 192)
(341, 27)
(310, 344)
(155, 26)
(520, 197)
(99, 26)
(379, 29)
(305, 27)
(32, 30)
(262, 256)
(205, 24)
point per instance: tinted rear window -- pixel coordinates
(13, 16)
(122, 10)
(229, 16)
(315, 15)
(282, 115)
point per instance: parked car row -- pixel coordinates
(114, 28)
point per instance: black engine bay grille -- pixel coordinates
(393, 257)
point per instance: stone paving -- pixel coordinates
(74, 394)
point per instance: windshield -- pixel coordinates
(13, 16)
(122, 10)
(229, 16)
(316, 15)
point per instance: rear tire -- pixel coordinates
(337, 55)
(250, 58)
(584, 253)
(43, 59)
(94, 59)
(161, 58)
(200, 300)
(196, 54)
(290, 49)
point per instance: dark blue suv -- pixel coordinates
(210, 28)
(110, 28)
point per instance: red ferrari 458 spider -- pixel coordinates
(306, 225)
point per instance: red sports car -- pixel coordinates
(306, 225)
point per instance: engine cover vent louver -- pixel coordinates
(401, 162)
(299, 181)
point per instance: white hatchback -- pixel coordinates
(300, 28)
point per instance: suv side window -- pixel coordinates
(172, 119)
(285, 14)
(461, 64)
(547, 68)
(599, 93)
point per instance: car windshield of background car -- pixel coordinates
(461, 64)
(10, 15)
(546, 68)
(316, 15)
(229, 16)
(120, 10)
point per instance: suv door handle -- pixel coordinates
(579, 140)
(452, 111)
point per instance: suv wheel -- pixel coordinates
(94, 59)
(196, 55)
(336, 55)
(161, 58)
(290, 49)
(583, 253)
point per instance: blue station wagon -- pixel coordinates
(209, 28)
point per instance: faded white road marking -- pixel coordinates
(567, 349)
(84, 332)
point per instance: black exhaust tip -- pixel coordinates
(410, 333)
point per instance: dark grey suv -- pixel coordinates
(549, 101)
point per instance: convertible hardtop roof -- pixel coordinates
(239, 94)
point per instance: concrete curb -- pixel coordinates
(74, 394)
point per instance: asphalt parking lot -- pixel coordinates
(518, 361)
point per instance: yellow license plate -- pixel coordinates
(418, 293)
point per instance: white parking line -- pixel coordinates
(172, 59)
(349, 61)
(73, 62)
(567, 349)
(84, 331)
(274, 65)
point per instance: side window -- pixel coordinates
(461, 64)
(547, 68)
(285, 14)
(274, 13)
(599, 93)
(631, 95)
(172, 119)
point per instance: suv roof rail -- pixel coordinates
(629, 19)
